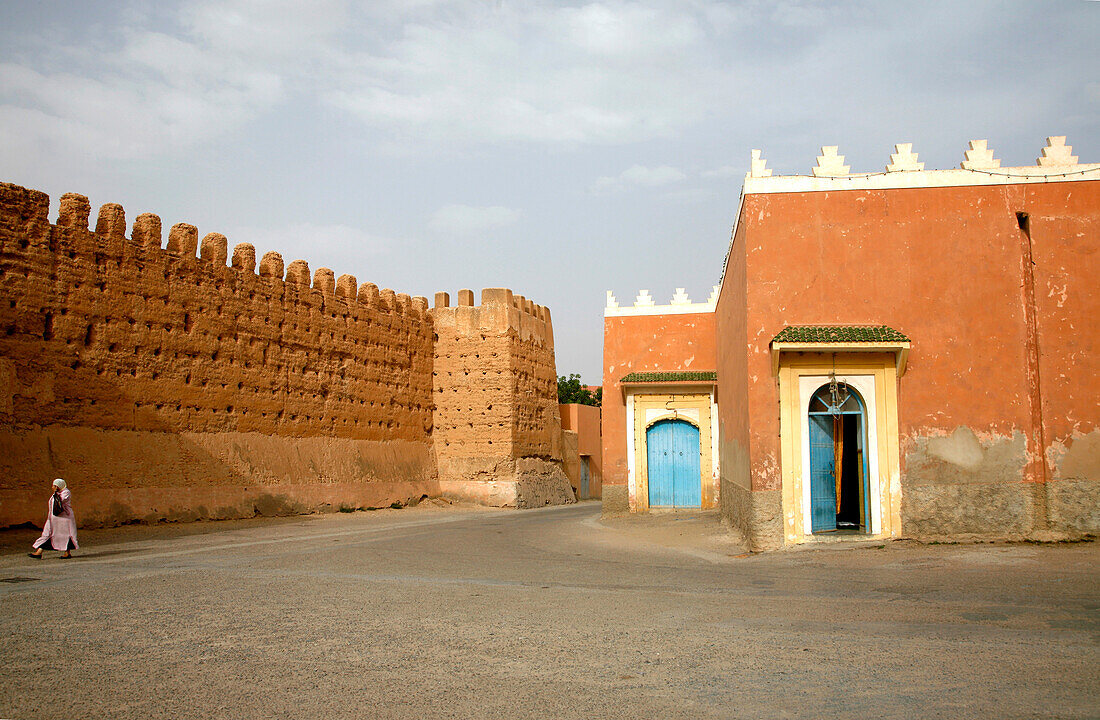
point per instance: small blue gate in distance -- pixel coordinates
(672, 452)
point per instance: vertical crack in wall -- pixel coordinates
(1038, 461)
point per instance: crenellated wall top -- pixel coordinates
(1056, 162)
(32, 208)
(501, 311)
(680, 304)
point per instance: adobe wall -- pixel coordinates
(737, 503)
(1000, 435)
(162, 384)
(644, 343)
(496, 426)
(585, 420)
(571, 460)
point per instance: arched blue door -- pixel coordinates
(839, 495)
(822, 474)
(672, 452)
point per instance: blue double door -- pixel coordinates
(839, 497)
(672, 452)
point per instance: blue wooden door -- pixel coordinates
(672, 452)
(659, 456)
(822, 474)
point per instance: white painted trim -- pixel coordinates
(652, 415)
(955, 177)
(659, 310)
(643, 304)
(714, 434)
(865, 384)
(729, 249)
(631, 471)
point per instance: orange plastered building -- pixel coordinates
(903, 353)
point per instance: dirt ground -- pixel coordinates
(473, 612)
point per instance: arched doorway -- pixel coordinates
(839, 491)
(672, 454)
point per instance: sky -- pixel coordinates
(557, 149)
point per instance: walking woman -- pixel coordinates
(60, 529)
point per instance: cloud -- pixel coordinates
(470, 219)
(628, 30)
(272, 30)
(154, 94)
(136, 92)
(434, 77)
(726, 171)
(639, 175)
(602, 73)
(425, 76)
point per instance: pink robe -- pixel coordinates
(60, 530)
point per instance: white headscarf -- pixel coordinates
(59, 484)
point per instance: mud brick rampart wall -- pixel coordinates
(172, 380)
(496, 426)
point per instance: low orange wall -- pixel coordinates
(585, 421)
(644, 343)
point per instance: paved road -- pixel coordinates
(548, 614)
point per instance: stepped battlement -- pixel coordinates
(500, 311)
(1056, 163)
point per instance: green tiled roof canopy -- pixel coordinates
(838, 334)
(670, 377)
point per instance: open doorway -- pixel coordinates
(839, 494)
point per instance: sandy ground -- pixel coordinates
(470, 612)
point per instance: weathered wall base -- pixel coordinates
(119, 475)
(993, 509)
(755, 518)
(735, 503)
(117, 506)
(1073, 498)
(1073, 507)
(616, 500)
(963, 485)
(767, 520)
(734, 497)
(532, 482)
(541, 482)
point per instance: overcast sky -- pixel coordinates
(559, 149)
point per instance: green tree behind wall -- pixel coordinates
(570, 390)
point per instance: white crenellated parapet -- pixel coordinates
(979, 167)
(829, 164)
(1056, 153)
(904, 159)
(680, 304)
(758, 166)
(979, 157)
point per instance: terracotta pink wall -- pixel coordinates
(1065, 230)
(585, 421)
(646, 343)
(733, 401)
(948, 267)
